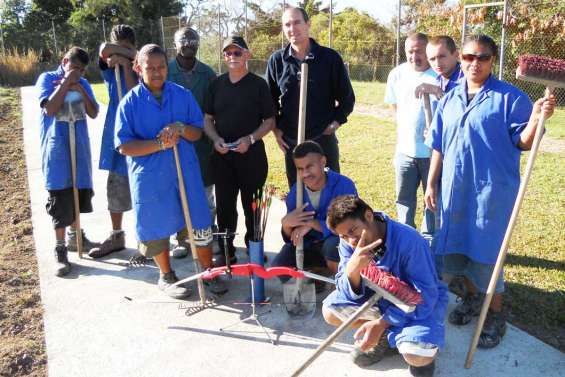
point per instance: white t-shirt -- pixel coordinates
(410, 119)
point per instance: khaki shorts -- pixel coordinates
(118, 194)
(152, 248)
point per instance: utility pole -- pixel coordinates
(398, 32)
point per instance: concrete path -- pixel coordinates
(92, 330)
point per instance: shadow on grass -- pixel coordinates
(540, 313)
(534, 262)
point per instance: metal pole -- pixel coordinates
(219, 41)
(104, 29)
(55, 38)
(2, 38)
(246, 22)
(463, 27)
(331, 23)
(282, 33)
(503, 40)
(163, 33)
(398, 32)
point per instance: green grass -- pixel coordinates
(100, 92)
(556, 124)
(369, 93)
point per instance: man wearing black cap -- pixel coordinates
(238, 113)
(330, 95)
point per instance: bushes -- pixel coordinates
(19, 69)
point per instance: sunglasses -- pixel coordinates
(236, 53)
(471, 57)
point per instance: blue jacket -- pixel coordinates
(336, 185)
(54, 136)
(408, 257)
(481, 166)
(455, 79)
(153, 178)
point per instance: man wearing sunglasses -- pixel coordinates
(187, 71)
(330, 94)
(238, 113)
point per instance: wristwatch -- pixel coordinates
(251, 139)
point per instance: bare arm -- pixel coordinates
(55, 101)
(109, 49)
(245, 142)
(139, 148)
(430, 197)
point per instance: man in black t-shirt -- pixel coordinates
(238, 113)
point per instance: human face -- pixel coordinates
(350, 230)
(416, 54)
(476, 62)
(70, 65)
(295, 29)
(441, 60)
(153, 70)
(186, 45)
(311, 170)
(236, 57)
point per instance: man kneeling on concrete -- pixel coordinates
(152, 118)
(309, 221)
(367, 237)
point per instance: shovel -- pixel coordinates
(73, 110)
(299, 295)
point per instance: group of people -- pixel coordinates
(466, 160)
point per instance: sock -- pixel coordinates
(60, 243)
(116, 232)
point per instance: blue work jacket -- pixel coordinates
(54, 137)
(408, 257)
(153, 178)
(481, 166)
(455, 79)
(336, 185)
(110, 158)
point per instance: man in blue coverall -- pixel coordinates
(368, 236)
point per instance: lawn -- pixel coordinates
(535, 268)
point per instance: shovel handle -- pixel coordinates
(73, 152)
(300, 139)
(186, 213)
(507, 236)
(118, 81)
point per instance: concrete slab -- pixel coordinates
(91, 330)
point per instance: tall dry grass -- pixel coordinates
(19, 69)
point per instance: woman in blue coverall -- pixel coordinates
(477, 135)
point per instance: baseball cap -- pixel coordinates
(235, 40)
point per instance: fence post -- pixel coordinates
(282, 33)
(398, 32)
(163, 34)
(331, 24)
(219, 41)
(503, 40)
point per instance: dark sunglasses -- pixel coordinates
(236, 53)
(471, 57)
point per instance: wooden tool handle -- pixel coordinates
(300, 139)
(186, 213)
(72, 146)
(118, 81)
(507, 236)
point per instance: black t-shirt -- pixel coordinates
(238, 109)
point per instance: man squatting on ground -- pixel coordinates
(55, 153)
(330, 94)
(187, 71)
(399, 249)
(152, 118)
(412, 159)
(239, 113)
(119, 52)
(321, 186)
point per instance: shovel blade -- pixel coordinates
(299, 296)
(72, 109)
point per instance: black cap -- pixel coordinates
(235, 40)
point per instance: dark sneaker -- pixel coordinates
(86, 243)
(165, 284)
(464, 312)
(373, 356)
(493, 330)
(62, 265)
(457, 286)
(425, 371)
(116, 242)
(220, 260)
(217, 286)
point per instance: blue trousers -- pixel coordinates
(410, 173)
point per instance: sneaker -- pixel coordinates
(424, 371)
(373, 356)
(469, 307)
(180, 251)
(165, 284)
(220, 260)
(62, 264)
(86, 243)
(217, 286)
(116, 242)
(493, 330)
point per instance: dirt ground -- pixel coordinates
(22, 345)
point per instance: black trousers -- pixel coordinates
(235, 173)
(330, 147)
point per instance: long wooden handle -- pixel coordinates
(186, 213)
(300, 139)
(118, 81)
(507, 236)
(427, 110)
(333, 336)
(73, 150)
